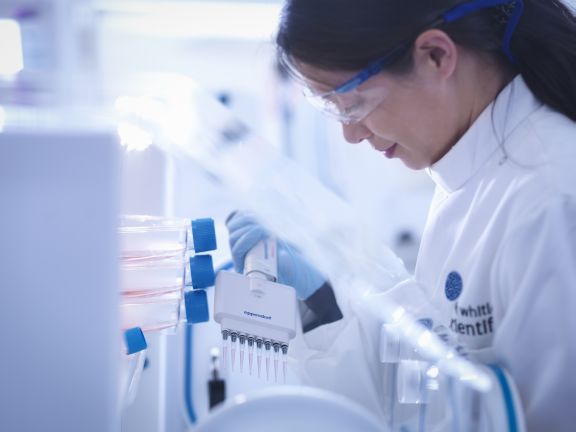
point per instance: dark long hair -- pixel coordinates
(350, 34)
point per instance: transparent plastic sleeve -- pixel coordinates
(370, 283)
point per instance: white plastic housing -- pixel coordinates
(289, 409)
(255, 306)
(59, 276)
(262, 260)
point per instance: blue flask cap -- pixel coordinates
(202, 271)
(203, 235)
(135, 340)
(196, 303)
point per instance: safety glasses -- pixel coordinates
(348, 103)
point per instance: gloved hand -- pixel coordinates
(293, 270)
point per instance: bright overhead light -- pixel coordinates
(133, 137)
(195, 19)
(11, 59)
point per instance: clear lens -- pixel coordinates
(349, 107)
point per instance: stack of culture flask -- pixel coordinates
(152, 269)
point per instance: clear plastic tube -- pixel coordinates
(225, 343)
(250, 353)
(259, 356)
(233, 338)
(276, 347)
(284, 360)
(267, 345)
(242, 342)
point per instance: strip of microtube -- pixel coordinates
(225, 342)
(267, 345)
(242, 340)
(259, 355)
(233, 337)
(276, 347)
(250, 353)
(284, 360)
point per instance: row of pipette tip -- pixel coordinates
(233, 341)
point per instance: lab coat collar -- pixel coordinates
(484, 138)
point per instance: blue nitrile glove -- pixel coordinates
(293, 270)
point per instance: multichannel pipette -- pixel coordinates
(256, 311)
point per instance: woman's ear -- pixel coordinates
(435, 54)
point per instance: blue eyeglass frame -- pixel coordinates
(451, 15)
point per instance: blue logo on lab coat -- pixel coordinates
(454, 285)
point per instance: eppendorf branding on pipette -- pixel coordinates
(252, 314)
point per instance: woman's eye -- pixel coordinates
(349, 108)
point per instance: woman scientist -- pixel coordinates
(482, 94)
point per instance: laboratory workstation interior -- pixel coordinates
(186, 244)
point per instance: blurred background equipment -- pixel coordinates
(59, 322)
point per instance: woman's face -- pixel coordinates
(416, 121)
(420, 115)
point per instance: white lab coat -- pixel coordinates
(497, 259)
(504, 219)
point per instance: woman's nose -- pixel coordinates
(355, 133)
